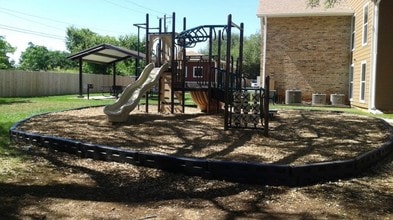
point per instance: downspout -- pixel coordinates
(372, 108)
(264, 22)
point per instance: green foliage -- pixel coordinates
(39, 58)
(59, 60)
(5, 48)
(252, 56)
(35, 58)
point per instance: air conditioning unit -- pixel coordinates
(293, 97)
(337, 99)
(318, 99)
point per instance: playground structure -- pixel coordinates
(219, 79)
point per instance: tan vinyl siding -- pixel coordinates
(362, 53)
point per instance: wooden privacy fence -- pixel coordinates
(14, 83)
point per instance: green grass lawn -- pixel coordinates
(13, 110)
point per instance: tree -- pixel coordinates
(326, 3)
(38, 58)
(58, 60)
(252, 56)
(35, 58)
(80, 39)
(5, 48)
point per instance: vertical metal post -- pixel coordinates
(160, 63)
(266, 107)
(159, 52)
(80, 78)
(220, 83)
(148, 58)
(228, 63)
(209, 83)
(217, 71)
(137, 59)
(147, 50)
(173, 65)
(114, 74)
(114, 87)
(184, 66)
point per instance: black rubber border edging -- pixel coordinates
(242, 172)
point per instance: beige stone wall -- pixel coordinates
(309, 53)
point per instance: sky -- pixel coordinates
(44, 22)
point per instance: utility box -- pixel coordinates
(318, 99)
(293, 97)
(337, 99)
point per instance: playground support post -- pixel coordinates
(209, 91)
(228, 63)
(173, 65)
(148, 60)
(266, 107)
(219, 60)
(184, 66)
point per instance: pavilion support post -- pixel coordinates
(114, 74)
(80, 79)
(114, 87)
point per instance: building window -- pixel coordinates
(363, 81)
(197, 72)
(350, 95)
(353, 33)
(365, 24)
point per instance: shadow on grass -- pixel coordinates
(4, 133)
(10, 101)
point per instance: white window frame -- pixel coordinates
(362, 88)
(351, 75)
(366, 18)
(194, 69)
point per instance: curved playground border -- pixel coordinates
(242, 172)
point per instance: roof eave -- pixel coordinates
(321, 14)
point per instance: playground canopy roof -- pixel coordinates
(106, 54)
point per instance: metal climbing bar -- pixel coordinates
(189, 38)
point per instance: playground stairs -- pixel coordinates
(165, 95)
